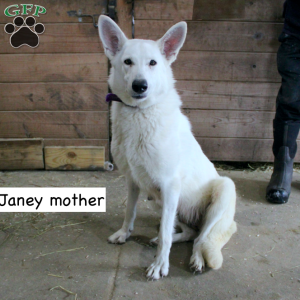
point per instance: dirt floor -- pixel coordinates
(66, 255)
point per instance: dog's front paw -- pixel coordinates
(197, 262)
(119, 237)
(159, 268)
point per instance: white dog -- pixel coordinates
(152, 144)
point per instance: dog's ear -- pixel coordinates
(111, 36)
(172, 41)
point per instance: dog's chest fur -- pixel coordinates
(138, 142)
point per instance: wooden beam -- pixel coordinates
(229, 66)
(176, 10)
(239, 149)
(53, 67)
(256, 10)
(53, 96)
(124, 17)
(74, 158)
(231, 124)
(79, 142)
(228, 95)
(62, 124)
(21, 154)
(218, 35)
(59, 38)
(266, 10)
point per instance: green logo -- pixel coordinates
(14, 10)
(24, 30)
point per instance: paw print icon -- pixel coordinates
(24, 32)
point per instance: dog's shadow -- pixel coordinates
(180, 260)
(180, 256)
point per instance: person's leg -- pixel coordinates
(284, 149)
(287, 120)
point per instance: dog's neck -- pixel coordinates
(113, 97)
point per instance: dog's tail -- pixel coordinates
(219, 225)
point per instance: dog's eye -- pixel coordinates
(128, 62)
(153, 62)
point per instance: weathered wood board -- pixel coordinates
(229, 66)
(124, 16)
(74, 158)
(21, 154)
(53, 96)
(59, 38)
(231, 124)
(76, 142)
(161, 9)
(255, 10)
(67, 124)
(239, 149)
(228, 95)
(79, 142)
(218, 36)
(53, 67)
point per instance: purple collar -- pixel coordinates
(113, 97)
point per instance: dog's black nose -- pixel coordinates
(140, 86)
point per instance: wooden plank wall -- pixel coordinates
(226, 72)
(18, 154)
(56, 91)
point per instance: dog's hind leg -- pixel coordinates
(218, 226)
(133, 193)
(186, 234)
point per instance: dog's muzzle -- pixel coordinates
(139, 87)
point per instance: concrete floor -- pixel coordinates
(261, 261)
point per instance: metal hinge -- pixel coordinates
(111, 13)
(80, 15)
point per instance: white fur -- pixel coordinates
(153, 145)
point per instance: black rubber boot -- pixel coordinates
(279, 188)
(284, 149)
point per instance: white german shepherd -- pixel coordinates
(152, 144)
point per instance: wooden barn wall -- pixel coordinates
(226, 71)
(56, 91)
